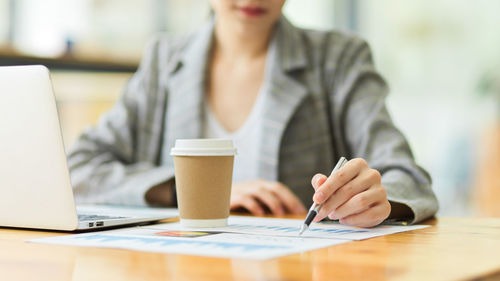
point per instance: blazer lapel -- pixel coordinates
(285, 93)
(185, 88)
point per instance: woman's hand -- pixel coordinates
(261, 195)
(353, 194)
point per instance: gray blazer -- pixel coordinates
(325, 100)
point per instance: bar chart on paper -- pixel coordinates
(291, 227)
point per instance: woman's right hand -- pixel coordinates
(261, 195)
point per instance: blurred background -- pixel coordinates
(441, 59)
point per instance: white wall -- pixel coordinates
(435, 55)
(314, 14)
(4, 21)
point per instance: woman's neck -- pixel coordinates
(239, 43)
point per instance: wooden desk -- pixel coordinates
(452, 249)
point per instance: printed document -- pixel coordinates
(244, 237)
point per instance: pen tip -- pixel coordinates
(302, 229)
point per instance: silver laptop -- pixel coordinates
(35, 187)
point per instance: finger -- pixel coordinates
(289, 200)
(371, 217)
(339, 178)
(357, 185)
(251, 205)
(269, 199)
(360, 202)
(318, 180)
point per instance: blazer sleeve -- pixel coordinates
(109, 163)
(361, 118)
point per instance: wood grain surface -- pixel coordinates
(452, 249)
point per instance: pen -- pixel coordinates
(314, 210)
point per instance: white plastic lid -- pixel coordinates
(203, 147)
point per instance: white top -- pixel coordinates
(246, 139)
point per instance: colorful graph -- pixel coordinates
(288, 229)
(185, 234)
(166, 242)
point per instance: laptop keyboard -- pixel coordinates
(88, 217)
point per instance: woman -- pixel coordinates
(294, 101)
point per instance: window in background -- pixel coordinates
(115, 30)
(4, 22)
(313, 14)
(439, 58)
(42, 28)
(83, 28)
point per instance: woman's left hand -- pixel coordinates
(353, 194)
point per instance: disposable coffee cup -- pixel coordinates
(203, 178)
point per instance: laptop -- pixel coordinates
(35, 187)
